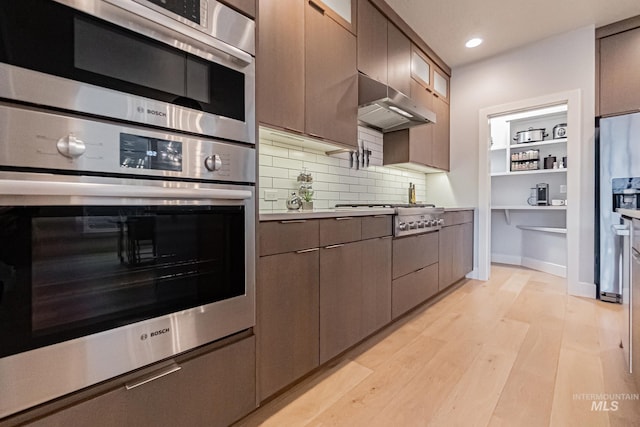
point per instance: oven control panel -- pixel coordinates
(421, 220)
(54, 141)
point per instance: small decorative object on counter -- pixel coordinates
(412, 193)
(305, 183)
(307, 200)
(294, 202)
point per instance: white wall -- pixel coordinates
(561, 63)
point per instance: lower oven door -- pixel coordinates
(102, 276)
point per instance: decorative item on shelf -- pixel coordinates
(560, 131)
(530, 135)
(526, 165)
(564, 162)
(525, 155)
(533, 197)
(550, 161)
(294, 202)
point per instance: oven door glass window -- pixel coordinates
(67, 272)
(80, 47)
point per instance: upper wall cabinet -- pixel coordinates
(398, 60)
(421, 67)
(280, 64)
(372, 42)
(307, 75)
(331, 79)
(440, 84)
(619, 62)
(341, 11)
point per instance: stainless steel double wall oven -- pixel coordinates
(127, 187)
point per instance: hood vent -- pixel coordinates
(385, 109)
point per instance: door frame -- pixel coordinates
(573, 99)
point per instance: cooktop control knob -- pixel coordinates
(402, 226)
(441, 221)
(71, 147)
(213, 163)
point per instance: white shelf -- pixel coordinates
(556, 230)
(498, 148)
(537, 144)
(536, 171)
(508, 208)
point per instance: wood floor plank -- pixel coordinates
(304, 405)
(363, 404)
(579, 373)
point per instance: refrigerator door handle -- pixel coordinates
(620, 229)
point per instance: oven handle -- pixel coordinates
(52, 188)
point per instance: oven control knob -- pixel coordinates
(71, 147)
(213, 163)
(402, 226)
(440, 221)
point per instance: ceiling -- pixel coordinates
(503, 24)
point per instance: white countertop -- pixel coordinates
(630, 213)
(284, 215)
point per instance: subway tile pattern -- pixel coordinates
(333, 180)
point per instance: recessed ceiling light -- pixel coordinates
(473, 42)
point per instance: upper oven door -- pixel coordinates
(123, 60)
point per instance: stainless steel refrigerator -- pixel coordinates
(618, 185)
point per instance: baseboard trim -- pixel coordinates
(506, 259)
(582, 289)
(545, 266)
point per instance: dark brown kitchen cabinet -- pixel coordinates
(376, 284)
(372, 41)
(287, 318)
(248, 7)
(455, 248)
(280, 81)
(212, 387)
(440, 84)
(414, 288)
(331, 86)
(340, 298)
(398, 60)
(619, 62)
(341, 11)
(415, 271)
(440, 144)
(426, 145)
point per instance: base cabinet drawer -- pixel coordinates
(412, 289)
(215, 388)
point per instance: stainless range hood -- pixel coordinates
(385, 109)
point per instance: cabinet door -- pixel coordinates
(619, 78)
(340, 298)
(280, 64)
(376, 284)
(341, 11)
(413, 289)
(467, 248)
(372, 42)
(421, 137)
(440, 151)
(441, 84)
(331, 87)
(414, 252)
(446, 253)
(287, 321)
(398, 60)
(421, 67)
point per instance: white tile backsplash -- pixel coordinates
(333, 180)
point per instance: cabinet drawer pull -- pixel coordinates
(304, 251)
(333, 246)
(174, 367)
(344, 218)
(293, 221)
(319, 9)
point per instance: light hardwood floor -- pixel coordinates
(512, 351)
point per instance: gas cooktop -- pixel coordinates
(384, 205)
